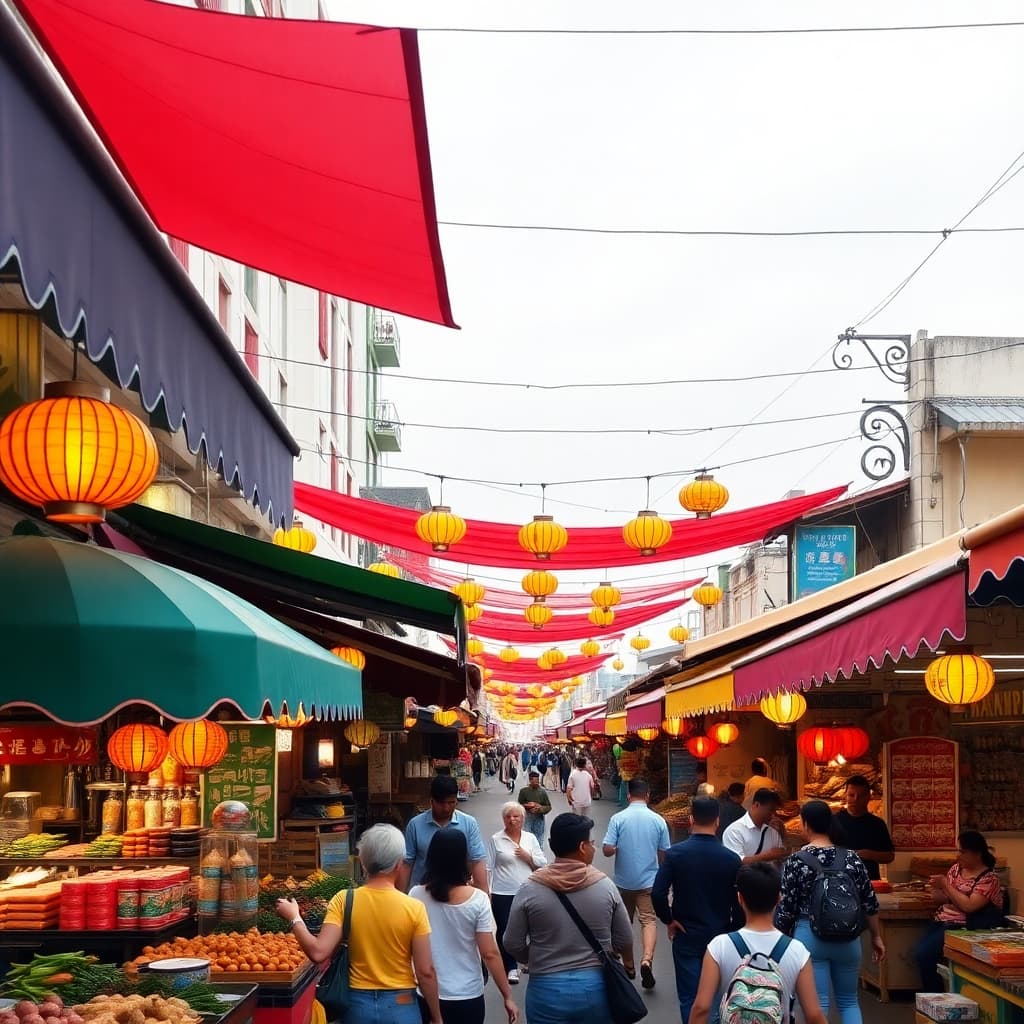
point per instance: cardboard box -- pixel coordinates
(944, 1006)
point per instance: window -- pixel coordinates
(180, 250)
(349, 394)
(250, 285)
(282, 395)
(282, 325)
(321, 334)
(252, 349)
(224, 304)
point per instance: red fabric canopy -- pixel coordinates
(296, 147)
(526, 670)
(646, 712)
(589, 547)
(995, 557)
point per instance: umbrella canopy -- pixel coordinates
(85, 631)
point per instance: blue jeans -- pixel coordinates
(535, 823)
(567, 997)
(837, 963)
(929, 954)
(384, 1006)
(688, 964)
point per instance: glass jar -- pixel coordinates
(136, 809)
(172, 807)
(111, 815)
(189, 807)
(154, 809)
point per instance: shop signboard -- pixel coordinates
(822, 557)
(682, 770)
(248, 772)
(47, 744)
(922, 786)
(378, 768)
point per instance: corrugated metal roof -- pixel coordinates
(980, 413)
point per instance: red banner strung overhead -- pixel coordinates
(589, 547)
(295, 147)
(47, 744)
(526, 670)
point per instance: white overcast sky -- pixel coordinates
(900, 130)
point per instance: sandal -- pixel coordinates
(630, 972)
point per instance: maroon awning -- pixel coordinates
(895, 622)
(646, 712)
(295, 147)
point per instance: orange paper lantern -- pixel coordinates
(199, 744)
(724, 733)
(137, 748)
(701, 747)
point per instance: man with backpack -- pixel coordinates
(754, 975)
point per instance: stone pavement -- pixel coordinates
(664, 1008)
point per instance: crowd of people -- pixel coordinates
(443, 910)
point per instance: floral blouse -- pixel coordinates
(986, 884)
(798, 880)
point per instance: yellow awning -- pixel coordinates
(615, 725)
(701, 697)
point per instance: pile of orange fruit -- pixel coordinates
(234, 952)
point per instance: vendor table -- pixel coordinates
(900, 929)
(998, 991)
(117, 945)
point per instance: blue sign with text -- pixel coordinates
(822, 557)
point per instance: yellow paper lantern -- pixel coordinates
(284, 721)
(352, 655)
(508, 654)
(601, 617)
(703, 496)
(488, 673)
(361, 733)
(618, 664)
(679, 634)
(446, 716)
(385, 569)
(296, 538)
(590, 648)
(724, 733)
(959, 679)
(544, 661)
(673, 726)
(410, 721)
(474, 646)
(648, 733)
(556, 657)
(540, 584)
(784, 708)
(440, 528)
(707, 594)
(605, 596)
(538, 615)
(469, 591)
(74, 454)
(639, 643)
(542, 537)
(199, 744)
(647, 532)
(472, 612)
(137, 747)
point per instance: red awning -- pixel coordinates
(646, 711)
(995, 558)
(295, 147)
(894, 622)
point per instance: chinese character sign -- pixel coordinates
(47, 744)
(822, 557)
(247, 772)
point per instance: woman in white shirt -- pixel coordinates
(512, 855)
(461, 931)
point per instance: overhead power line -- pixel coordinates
(814, 30)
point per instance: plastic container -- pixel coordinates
(228, 880)
(181, 971)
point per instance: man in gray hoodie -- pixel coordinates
(566, 981)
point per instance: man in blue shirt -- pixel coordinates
(637, 838)
(444, 791)
(701, 873)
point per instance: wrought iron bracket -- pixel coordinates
(893, 360)
(886, 427)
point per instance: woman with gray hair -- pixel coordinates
(389, 941)
(512, 855)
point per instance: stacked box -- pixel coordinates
(944, 1006)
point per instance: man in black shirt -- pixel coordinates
(731, 806)
(864, 832)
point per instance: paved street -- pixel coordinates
(664, 1008)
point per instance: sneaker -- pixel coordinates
(513, 977)
(646, 975)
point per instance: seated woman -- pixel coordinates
(971, 896)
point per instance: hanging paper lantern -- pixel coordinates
(540, 584)
(361, 733)
(819, 744)
(440, 528)
(474, 646)
(385, 569)
(703, 495)
(724, 733)
(199, 744)
(853, 742)
(508, 654)
(544, 661)
(74, 454)
(284, 721)
(648, 733)
(446, 716)
(488, 673)
(701, 747)
(647, 532)
(537, 615)
(543, 537)
(618, 664)
(469, 591)
(707, 594)
(605, 596)
(296, 538)
(679, 634)
(556, 657)
(137, 748)
(410, 721)
(674, 726)
(472, 612)
(959, 679)
(590, 648)
(601, 617)
(639, 643)
(784, 708)
(352, 655)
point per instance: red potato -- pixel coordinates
(56, 999)
(9, 1017)
(32, 1018)
(49, 1009)
(25, 1007)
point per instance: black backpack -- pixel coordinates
(836, 910)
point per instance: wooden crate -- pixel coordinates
(293, 855)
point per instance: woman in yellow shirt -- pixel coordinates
(389, 940)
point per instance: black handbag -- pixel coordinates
(332, 990)
(625, 1004)
(989, 916)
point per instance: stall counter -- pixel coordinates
(998, 991)
(900, 928)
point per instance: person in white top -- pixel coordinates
(580, 788)
(752, 837)
(758, 887)
(512, 856)
(461, 932)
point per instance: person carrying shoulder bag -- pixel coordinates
(389, 944)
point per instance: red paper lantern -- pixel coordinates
(820, 744)
(137, 748)
(199, 744)
(853, 742)
(701, 747)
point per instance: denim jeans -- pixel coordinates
(567, 997)
(837, 963)
(928, 954)
(384, 1006)
(535, 823)
(688, 965)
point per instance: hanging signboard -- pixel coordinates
(682, 770)
(47, 744)
(378, 768)
(822, 557)
(922, 784)
(248, 772)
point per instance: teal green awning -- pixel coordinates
(86, 631)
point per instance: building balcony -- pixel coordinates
(386, 430)
(386, 348)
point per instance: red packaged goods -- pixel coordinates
(128, 900)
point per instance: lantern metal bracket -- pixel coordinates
(893, 360)
(886, 427)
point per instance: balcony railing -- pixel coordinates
(387, 430)
(386, 345)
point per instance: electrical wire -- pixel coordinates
(722, 233)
